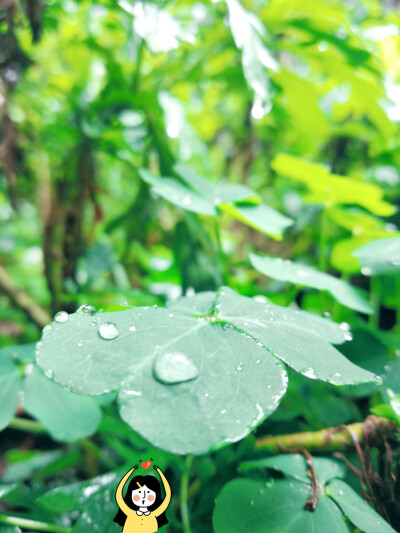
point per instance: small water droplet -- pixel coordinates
(251, 502)
(367, 271)
(239, 367)
(259, 343)
(348, 336)
(388, 368)
(187, 200)
(341, 492)
(344, 326)
(171, 315)
(327, 314)
(378, 380)
(133, 392)
(46, 330)
(223, 411)
(108, 331)
(309, 372)
(86, 310)
(206, 395)
(172, 368)
(28, 369)
(48, 373)
(80, 344)
(257, 361)
(132, 328)
(61, 316)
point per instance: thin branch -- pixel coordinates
(22, 300)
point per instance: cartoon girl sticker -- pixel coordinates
(142, 509)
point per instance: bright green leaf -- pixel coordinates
(277, 268)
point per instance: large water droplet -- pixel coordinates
(171, 368)
(61, 316)
(108, 331)
(86, 310)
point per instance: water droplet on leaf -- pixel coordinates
(61, 316)
(86, 310)
(108, 331)
(48, 373)
(172, 368)
(132, 328)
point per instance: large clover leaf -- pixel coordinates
(186, 384)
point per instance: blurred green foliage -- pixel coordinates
(152, 150)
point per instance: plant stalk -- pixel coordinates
(26, 523)
(330, 439)
(23, 424)
(184, 490)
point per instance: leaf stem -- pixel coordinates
(23, 424)
(33, 524)
(329, 439)
(184, 494)
(375, 290)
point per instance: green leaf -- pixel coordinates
(23, 353)
(178, 194)
(260, 217)
(94, 499)
(247, 31)
(245, 505)
(390, 410)
(331, 189)
(218, 194)
(239, 201)
(10, 385)
(184, 368)
(356, 509)
(294, 465)
(296, 337)
(277, 268)
(66, 416)
(27, 463)
(380, 257)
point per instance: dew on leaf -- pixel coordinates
(257, 361)
(108, 331)
(175, 367)
(61, 316)
(344, 326)
(367, 271)
(86, 310)
(132, 328)
(48, 373)
(46, 330)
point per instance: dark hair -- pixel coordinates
(153, 484)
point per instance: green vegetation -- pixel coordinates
(204, 195)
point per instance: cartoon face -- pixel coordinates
(143, 496)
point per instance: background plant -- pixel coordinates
(205, 197)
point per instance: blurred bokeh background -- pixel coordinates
(92, 92)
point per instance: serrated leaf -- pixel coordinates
(356, 509)
(380, 257)
(304, 275)
(295, 337)
(332, 189)
(178, 194)
(65, 415)
(10, 385)
(185, 368)
(245, 505)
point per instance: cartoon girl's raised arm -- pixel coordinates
(167, 489)
(118, 495)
